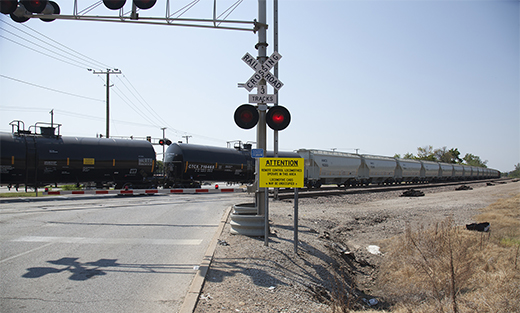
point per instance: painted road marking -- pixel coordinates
(110, 241)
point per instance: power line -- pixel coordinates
(74, 53)
(87, 62)
(47, 88)
(129, 102)
(69, 113)
(148, 106)
(50, 56)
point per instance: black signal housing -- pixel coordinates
(246, 116)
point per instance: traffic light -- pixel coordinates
(246, 116)
(19, 12)
(114, 4)
(144, 4)
(118, 4)
(51, 8)
(278, 117)
(165, 141)
(34, 6)
(8, 6)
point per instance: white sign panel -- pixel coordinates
(262, 71)
(262, 98)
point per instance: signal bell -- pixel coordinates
(278, 117)
(246, 116)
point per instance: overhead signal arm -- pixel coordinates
(217, 21)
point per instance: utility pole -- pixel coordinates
(52, 117)
(108, 72)
(187, 137)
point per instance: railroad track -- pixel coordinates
(334, 191)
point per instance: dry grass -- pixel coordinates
(504, 216)
(447, 268)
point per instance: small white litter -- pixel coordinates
(373, 249)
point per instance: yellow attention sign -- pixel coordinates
(281, 172)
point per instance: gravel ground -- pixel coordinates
(334, 233)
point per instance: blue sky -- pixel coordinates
(383, 77)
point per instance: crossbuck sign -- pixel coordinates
(262, 71)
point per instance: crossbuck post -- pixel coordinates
(261, 142)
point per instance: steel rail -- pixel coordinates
(309, 193)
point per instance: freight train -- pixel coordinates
(41, 157)
(32, 158)
(347, 169)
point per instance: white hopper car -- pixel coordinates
(348, 169)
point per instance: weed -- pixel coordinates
(446, 268)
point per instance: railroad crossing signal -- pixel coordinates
(278, 117)
(262, 71)
(246, 116)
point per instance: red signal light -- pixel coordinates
(278, 117)
(8, 6)
(114, 4)
(144, 4)
(34, 6)
(165, 141)
(246, 116)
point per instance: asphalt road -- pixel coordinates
(104, 254)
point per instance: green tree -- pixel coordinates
(516, 172)
(455, 154)
(409, 156)
(474, 160)
(406, 156)
(447, 156)
(426, 153)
